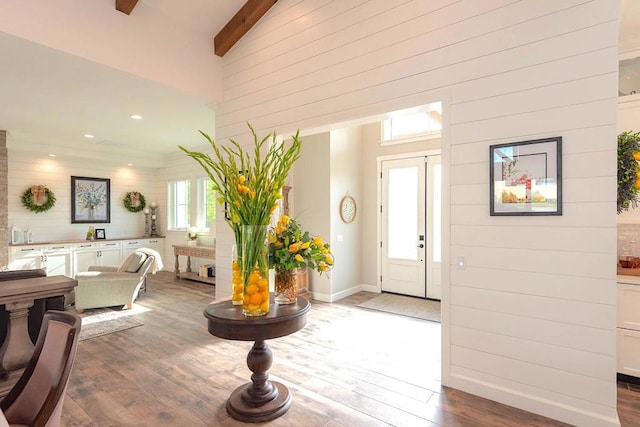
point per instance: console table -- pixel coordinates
(260, 400)
(197, 252)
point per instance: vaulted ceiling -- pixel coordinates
(51, 99)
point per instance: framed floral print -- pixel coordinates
(90, 200)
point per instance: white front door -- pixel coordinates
(411, 192)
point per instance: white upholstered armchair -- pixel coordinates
(108, 286)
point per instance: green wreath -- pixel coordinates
(628, 171)
(128, 204)
(27, 199)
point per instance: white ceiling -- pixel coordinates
(49, 98)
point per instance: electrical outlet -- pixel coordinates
(461, 262)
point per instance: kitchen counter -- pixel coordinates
(55, 242)
(630, 280)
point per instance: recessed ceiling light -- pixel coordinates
(88, 135)
(52, 155)
(129, 164)
(136, 116)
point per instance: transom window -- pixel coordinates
(412, 126)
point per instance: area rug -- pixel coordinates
(405, 306)
(103, 321)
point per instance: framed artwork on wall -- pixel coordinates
(525, 178)
(90, 200)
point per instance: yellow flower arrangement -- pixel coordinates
(250, 186)
(290, 247)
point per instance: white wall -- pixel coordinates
(531, 320)
(147, 43)
(27, 169)
(346, 239)
(311, 200)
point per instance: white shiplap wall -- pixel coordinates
(27, 169)
(530, 321)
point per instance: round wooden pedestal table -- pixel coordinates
(260, 400)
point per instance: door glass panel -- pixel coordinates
(403, 213)
(436, 212)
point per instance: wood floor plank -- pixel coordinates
(348, 367)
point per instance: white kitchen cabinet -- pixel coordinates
(69, 257)
(129, 246)
(110, 253)
(154, 243)
(94, 253)
(55, 259)
(628, 334)
(629, 352)
(26, 258)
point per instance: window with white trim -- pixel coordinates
(179, 202)
(206, 205)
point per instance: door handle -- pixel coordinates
(421, 245)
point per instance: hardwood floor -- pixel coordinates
(348, 367)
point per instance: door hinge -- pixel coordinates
(380, 243)
(380, 208)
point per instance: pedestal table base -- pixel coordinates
(261, 399)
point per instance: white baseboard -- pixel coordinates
(343, 294)
(371, 288)
(533, 403)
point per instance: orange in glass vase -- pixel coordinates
(255, 270)
(236, 280)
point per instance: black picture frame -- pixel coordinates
(525, 178)
(90, 200)
(100, 234)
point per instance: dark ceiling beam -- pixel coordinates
(240, 24)
(126, 6)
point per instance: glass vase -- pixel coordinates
(286, 286)
(236, 278)
(255, 270)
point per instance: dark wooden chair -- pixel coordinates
(37, 397)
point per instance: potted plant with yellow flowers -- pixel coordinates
(250, 185)
(291, 248)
